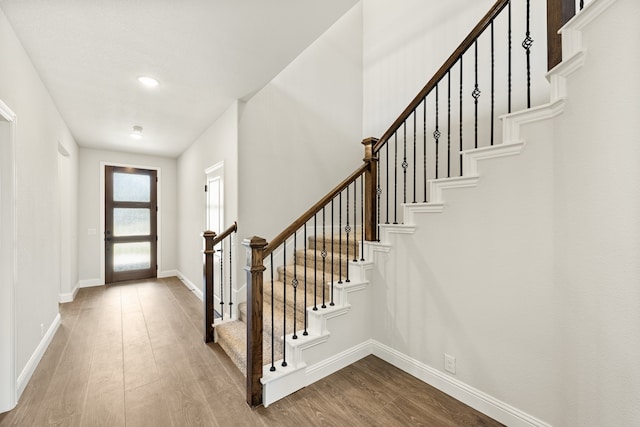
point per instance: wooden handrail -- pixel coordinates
(287, 232)
(220, 237)
(442, 72)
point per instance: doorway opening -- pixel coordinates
(130, 226)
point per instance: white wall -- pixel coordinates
(597, 222)
(89, 193)
(536, 293)
(68, 218)
(39, 128)
(300, 135)
(219, 143)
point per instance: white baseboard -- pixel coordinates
(90, 283)
(475, 398)
(341, 360)
(189, 284)
(69, 296)
(34, 360)
(168, 273)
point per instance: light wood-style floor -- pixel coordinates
(133, 355)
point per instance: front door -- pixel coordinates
(130, 224)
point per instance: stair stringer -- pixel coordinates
(335, 339)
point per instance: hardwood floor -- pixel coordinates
(133, 355)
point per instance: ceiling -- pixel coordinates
(204, 53)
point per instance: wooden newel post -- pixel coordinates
(254, 268)
(558, 13)
(207, 275)
(370, 191)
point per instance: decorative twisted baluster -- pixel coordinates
(526, 44)
(436, 133)
(476, 94)
(324, 259)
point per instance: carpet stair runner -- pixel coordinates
(232, 335)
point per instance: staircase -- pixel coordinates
(278, 299)
(406, 174)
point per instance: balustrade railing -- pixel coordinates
(451, 114)
(218, 262)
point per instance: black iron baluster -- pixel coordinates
(305, 333)
(415, 162)
(340, 235)
(436, 133)
(526, 44)
(273, 366)
(294, 282)
(405, 165)
(333, 250)
(362, 218)
(387, 185)
(509, 59)
(424, 150)
(581, 4)
(347, 230)
(355, 221)
(315, 262)
(230, 275)
(378, 196)
(221, 280)
(460, 154)
(449, 124)
(284, 307)
(395, 179)
(492, 82)
(324, 259)
(476, 95)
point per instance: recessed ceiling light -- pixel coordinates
(137, 132)
(148, 81)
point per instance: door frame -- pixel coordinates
(8, 268)
(103, 165)
(215, 170)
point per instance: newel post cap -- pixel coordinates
(254, 242)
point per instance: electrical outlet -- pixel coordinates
(449, 363)
(41, 330)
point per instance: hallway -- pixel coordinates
(133, 355)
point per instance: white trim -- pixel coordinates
(9, 396)
(455, 388)
(292, 378)
(35, 358)
(189, 284)
(159, 215)
(69, 296)
(437, 185)
(167, 273)
(90, 283)
(339, 361)
(572, 31)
